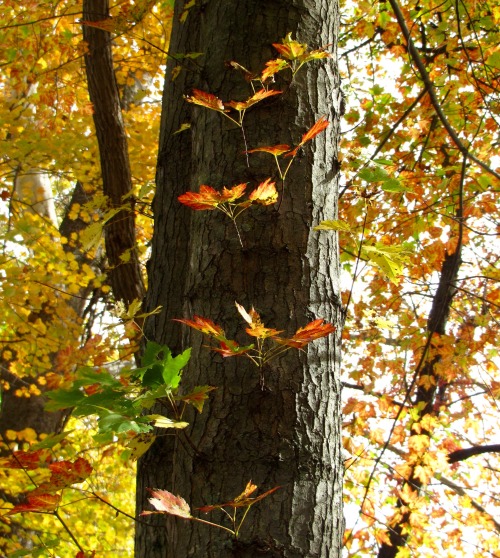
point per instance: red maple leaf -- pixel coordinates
(65, 473)
(37, 503)
(229, 348)
(27, 460)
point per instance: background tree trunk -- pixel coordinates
(120, 238)
(287, 434)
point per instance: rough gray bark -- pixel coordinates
(120, 238)
(289, 433)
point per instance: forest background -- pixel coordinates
(418, 225)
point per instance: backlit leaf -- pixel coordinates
(140, 444)
(273, 149)
(334, 225)
(204, 325)
(390, 259)
(165, 502)
(265, 193)
(164, 422)
(257, 97)
(304, 335)
(209, 198)
(273, 67)
(316, 129)
(257, 328)
(206, 100)
(289, 48)
(37, 503)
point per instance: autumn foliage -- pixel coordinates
(418, 226)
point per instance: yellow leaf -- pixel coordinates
(335, 225)
(182, 128)
(389, 259)
(140, 444)
(164, 422)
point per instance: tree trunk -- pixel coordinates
(120, 238)
(287, 434)
(426, 396)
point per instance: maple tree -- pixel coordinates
(417, 224)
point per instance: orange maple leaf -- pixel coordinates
(257, 328)
(304, 335)
(265, 193)
(204, 325)
(116, 25)
(257, 97)
(273, 67)
(316, 129)
(205, 100)
(290, 49)
(275, 150)
(208, 198)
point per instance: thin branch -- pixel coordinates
(432, 93)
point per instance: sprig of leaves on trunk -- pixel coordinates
(119, 402)
(165, 502)
(268, 344)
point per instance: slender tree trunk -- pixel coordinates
(287, 434)
(120, 238)
(426, 397)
